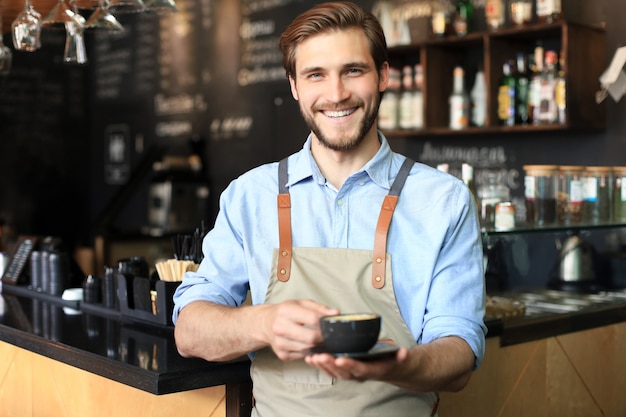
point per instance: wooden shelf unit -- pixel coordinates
(583, 47)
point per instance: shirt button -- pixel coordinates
(340, 202)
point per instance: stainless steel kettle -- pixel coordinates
(576, 260)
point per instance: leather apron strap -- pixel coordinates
(382, 227)
(284, 224)
(384, 220)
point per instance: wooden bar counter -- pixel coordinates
(60, 362)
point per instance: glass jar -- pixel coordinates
(619, 194)
(540, 190)
(569, 200)
(597, 185)
(489, 195)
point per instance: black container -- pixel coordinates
(45, 271)
(109, 286)
(35, 270)
(59, 272)
(137, 266)
(92, 290)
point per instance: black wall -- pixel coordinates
(208, 79)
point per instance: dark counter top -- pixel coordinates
(552, 313)
(138, 355)
(555, 324)
(145, 357)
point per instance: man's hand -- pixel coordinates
(216, 332)
(292, 327)
(344, 367)
(444, 364)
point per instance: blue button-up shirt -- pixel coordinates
(434, 239)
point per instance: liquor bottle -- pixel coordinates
(418, 97)
(506, 95)
(441, 18)
(521, 12)
(479, 99)
(467, 176)
(495, 14)
(459, 101)
(548, 113)
(464, 18)
(405, 106)
(521, 91)
(548, 11)
(388, 110)
(535, 85)
(560, 94)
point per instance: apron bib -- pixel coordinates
(353, 281)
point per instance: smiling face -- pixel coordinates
(338, 88)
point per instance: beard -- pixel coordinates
(347, 141)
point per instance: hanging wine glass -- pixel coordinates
(102, 19)
(126, 6)
(61, 14)
(162, 7)
(26, 29)
(85, 4)
(75, 51)
(6, 56)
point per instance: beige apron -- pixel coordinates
(353, 281)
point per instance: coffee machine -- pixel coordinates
(178, 198)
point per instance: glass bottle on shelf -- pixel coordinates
(388, 110)
(548, 11)
(459, 101)
(535, 85)
(560, 92)
(506, 96)
(548, 113)
(479, 99)
(405, 107)
(521, 91)
(441, 17)
(521, 12)
(464, 17)
(495, 14)
(418, 97)
(467, 176)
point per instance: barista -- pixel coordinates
(355, 227)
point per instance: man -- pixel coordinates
(332, 242)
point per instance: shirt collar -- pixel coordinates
(302, 165)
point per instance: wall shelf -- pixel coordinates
(584, 58)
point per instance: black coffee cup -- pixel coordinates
(350, 333)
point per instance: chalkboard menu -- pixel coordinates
(43, 141)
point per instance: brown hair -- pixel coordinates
(332, 16)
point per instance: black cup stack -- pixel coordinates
(109, 296)
(49, 268)
(92, 290)
(59, 271)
